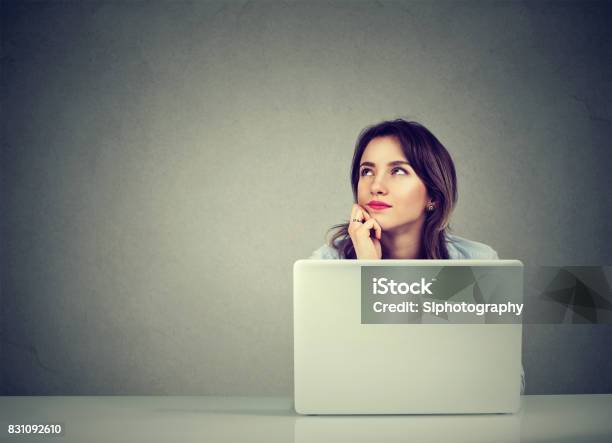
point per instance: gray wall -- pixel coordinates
(164, 164)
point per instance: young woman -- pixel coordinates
(405, 188)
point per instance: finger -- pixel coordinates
(353, 225)
(367, 226)
(353, 213)
(364, 213)
(378, 229)
(356, 214)
(376, 226)
(363, 210)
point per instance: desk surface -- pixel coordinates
(543, 418)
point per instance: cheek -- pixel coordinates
(413, 196)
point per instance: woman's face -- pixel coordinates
(388, 187)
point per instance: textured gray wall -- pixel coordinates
(163, 165)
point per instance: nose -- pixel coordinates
(378, 186)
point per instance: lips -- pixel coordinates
(376, 204)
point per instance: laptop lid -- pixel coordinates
(351, 358)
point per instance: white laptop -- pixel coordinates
(359, 352)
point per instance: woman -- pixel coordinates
(405, 188)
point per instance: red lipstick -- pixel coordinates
(378, 205)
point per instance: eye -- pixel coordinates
(399, 171)
(365, 171)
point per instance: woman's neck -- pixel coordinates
(404, 243)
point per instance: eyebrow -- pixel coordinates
(393, 163)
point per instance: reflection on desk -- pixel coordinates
(552, 418)
(396, 428)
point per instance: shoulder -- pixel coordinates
(462, 248)
(325, 252)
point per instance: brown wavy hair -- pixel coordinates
(434, 166)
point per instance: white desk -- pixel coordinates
(554, 418)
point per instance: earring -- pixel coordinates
(430, 207)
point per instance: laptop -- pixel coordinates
(361, 348)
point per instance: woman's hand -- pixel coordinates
(366, 243)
